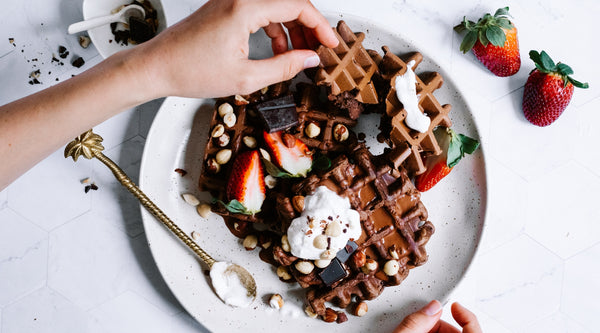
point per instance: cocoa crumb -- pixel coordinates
(342, 317)
(181, 172)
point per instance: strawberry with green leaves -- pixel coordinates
(548, 90)
(494, 42)
(289, 154)
(246, 184)
(454, 147)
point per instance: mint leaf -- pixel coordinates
(321, 163)
(495, 35)
(274, 171)
(469, 41)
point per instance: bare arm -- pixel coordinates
(205, 55)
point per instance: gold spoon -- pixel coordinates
(89, 145)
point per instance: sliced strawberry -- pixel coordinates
(454, 147)
(293, 157)
(247, 182)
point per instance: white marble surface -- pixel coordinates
(71, 261)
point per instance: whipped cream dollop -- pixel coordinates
(228, 286)
(406, 91)
(325, 226)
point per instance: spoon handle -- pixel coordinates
(92, 23)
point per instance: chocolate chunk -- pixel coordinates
(278, 114)
(333, 273)
(78, 62)
(141, 31)
(347, 251)
(62, 52)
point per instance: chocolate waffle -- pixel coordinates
(394, 223)
(310, 111)
(348, 66)
(398, 134)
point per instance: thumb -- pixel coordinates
(421, 321)
(282, 67)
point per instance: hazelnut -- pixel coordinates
(283, 273)
(224, 109)
(249, 141)
(223, 156)
(304, 267)
(361, 309)
(84, 41)
(217, 131)
(320, 242)
(204, 210)
(333, 229)
(288, 140)
(285, 244)
(212, 166)
(190, 199)
(330, 315)
(270, 181)
(310, 312)
(229, 120)
(370, 266)
(327, 254)
(223, 140)
(264, 154)
(276, 301)
(250, 242)
(312, 130)
(322, 263)
(298, 203)
(264, 90)
(359, 259)
(391, 267)
(340, 132)
(195, 235)
(393, 252)
(240, 100)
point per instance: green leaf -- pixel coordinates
(321, 163)
(502, 12)
(578, 84)
(564, 69)
(504, 23)
(274, 171)
(233, 206)
(483, 38)
(469, 41)
(547, 62)
(495, 35)
(535, 56)
(459, 146)
(469, 145)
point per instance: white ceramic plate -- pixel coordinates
(101, 36)
(178, 135)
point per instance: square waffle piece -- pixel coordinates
(397, 133)
(394, 224)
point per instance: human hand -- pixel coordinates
(206, 54)
(427, 320)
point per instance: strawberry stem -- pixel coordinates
(545, 64)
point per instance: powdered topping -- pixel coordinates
(406, 91)
(325, 226)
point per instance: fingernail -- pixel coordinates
(312, 61)
(432, 308)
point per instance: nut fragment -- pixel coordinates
(304, 267)
(330, 315)
(320, 242)
(270, 181)
(283, 273)
(223, 140)
(285, 244)
(264, 90)
(190, 199)
(312, 130)
(84, 41)
(310, 312)
(217, 131)
(361, 309)
(212, 166)
(250, 242)
(223, 156)
(359, 259)
(333, 229)
(265, 154)
(288, 140)
(393, 252)
(229, 119)
(370, 266)
(195, 235)
(240, 100)
(249, 141)
(276, 301)
(224, 109)
(327, 254)
(322, 263)
(391, 267)
(204, 210)
(298, 203)
(340, 132)
(342, 318)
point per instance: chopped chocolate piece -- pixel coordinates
(333, 273)
(94, 187)
(141, 31)
(78, 62)
(347, 251)
(62, 52)
(87, 188)
(278, 114)
(54, 59)
(181, 172)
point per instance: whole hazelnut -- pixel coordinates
(391, 267)
(333, 229)
(230, 119)
(249, 141)
(359, 259)
(322, 263)
(361, 309)
(223, 156)
(304, 267)
(370, 266)
(298, 203)
(223, 140)
(340, 132)
(250, 242)
(276, 301)
(283, 273)
(320, 242)
(224, 109)
(312, 130)
(217, 131)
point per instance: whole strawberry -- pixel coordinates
(494, 42)
(548, 90)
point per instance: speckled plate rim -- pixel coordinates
(384, 312)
